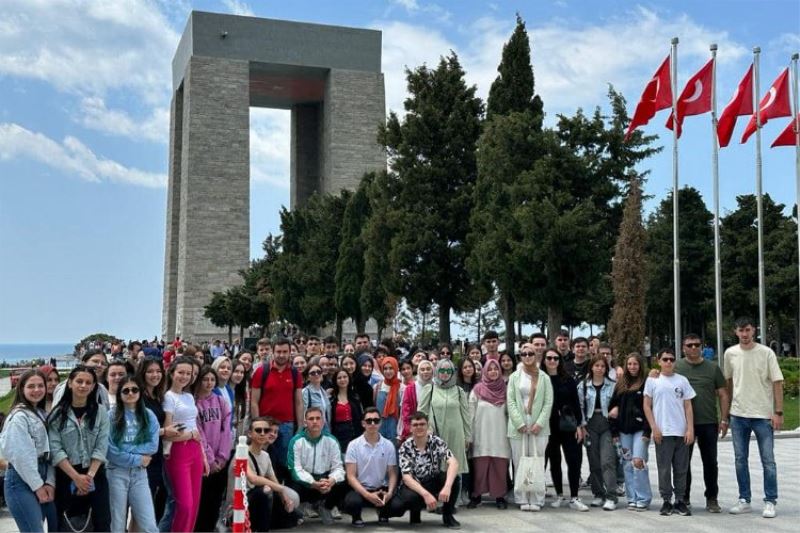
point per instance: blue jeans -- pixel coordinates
(279, 451)
(28, 513)
(129, 486)
(165, 525)
(637, 480)
(740, 432)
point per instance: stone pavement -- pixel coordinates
(487, 518)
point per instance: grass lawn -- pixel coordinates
(791, 412)
(5, 401)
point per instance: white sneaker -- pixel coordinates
(534, 508)
(577, 505)
(609, 505)
(336, 514)
(741, 507)
(597, 502)
(525, 507)
(558, 502)
(769, 510)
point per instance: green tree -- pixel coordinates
(432, 157)
(219, 313)
(626, 327)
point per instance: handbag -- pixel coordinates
(567, 422)
(529, 476)
(77, 518)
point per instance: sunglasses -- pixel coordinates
(692, 344)
(418, 424)
(315, 373)
(526, 354)
(265, 431)
(445, 370)
(667, 359)
(130, 390)
(552, 358)
(374, 421)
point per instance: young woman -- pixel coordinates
(133, 440)
(314, 395)
(214, 423)
(30, 480)
(299, 362)
(388, 398)
(241, 399)
(629, 427)
(417, 358)
(445, 351)
(508, 364)
(53, 378)
(350, 364)
(447, 407)
(117, 370)
(407, 372)
(346, 410)
(474, 353)
(264, 491)
(565, 430)
(490, 447)
(467, 374)
(361, 380)
(247, 359)
(184, 457)
(411, 395)
(222, 366)
(594, 394)
(78, 429)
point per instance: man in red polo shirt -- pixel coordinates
(278, 396)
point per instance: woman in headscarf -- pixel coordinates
(412, 395)
(490, 447)
(388, 398)
(361, 380)
(447, 407)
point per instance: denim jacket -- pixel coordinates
(24, 443)
(587, 394)
(76, 442)
(127, 454)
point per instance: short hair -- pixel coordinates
(91, 353)
(578, 340)
(265, 419)
(313, 338)
(331, 339)
(362, 334)
(190, 350)
(262, 342)
(419, 415)
(666, 350)
(491, 334)
(282, 341)
(313, 408)
(538, 335)
(744, 321)
(606, 345)
(691, 336)
(563, 333)
(370, 410)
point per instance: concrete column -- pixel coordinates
(214, 220)
(306, 163)
(173, 216)
(354, 107)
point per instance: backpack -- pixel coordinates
(265, 375)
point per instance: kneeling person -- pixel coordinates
(371, 466)
(315, 462)
(422, 459)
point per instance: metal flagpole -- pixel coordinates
(796, 118)
(762, 301)
(676, 268)
(715, 173)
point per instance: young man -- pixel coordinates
(707, 380)
(539, 342)
(562, 346)
(424, 482)
(491, 343)
(315, 463)
(371, 466)
(263, 353)
(580, 363)
(331, 344)
(279, 395)
(755, 385)
(313, 347)
(668, 408)
(362, 343)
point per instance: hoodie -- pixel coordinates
(214, 423)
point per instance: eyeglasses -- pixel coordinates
(692, 344)
(130, 390)
(667, 359)
(552, 357)
(374, 421)
(265, 431)
(315, 373)
(526, 354)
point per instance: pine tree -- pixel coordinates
(626, 329)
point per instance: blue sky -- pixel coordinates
(84, 120)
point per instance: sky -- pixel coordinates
(85, 88)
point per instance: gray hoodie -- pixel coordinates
(23, 442)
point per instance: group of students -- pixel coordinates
(336, 433)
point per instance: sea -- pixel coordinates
(15, 353)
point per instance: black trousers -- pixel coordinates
(213, 491)
(705, 437)
(332, 499)
(259, 503)
(354, 503)
(97, 500)
(408, 500)
(572, 454)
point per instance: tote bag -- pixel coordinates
(530, 471)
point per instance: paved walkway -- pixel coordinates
(487, 518)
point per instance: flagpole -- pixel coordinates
(715, 173)
(676, 268)
(762, 302)
(796, 118)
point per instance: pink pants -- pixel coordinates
(185, 470)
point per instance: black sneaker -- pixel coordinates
(450, 522)
(666, 509)
(682, 509)
(414, 517)
(357, 522)
(473, 503)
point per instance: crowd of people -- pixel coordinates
(143, 440)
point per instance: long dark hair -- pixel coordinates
(118, 421)
(561, 372)
(60, 412)
(240, 392)
(141, 378)
(352, 395)
(198, 383)
(19, 394)
(629, 382)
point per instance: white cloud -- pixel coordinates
(95, 115)
(70, 156)
(270, 146)
(237, 7)
(786, 42)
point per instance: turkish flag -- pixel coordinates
(774, 104)
(787, 136)
(740, 104)
(657, 95)
(696, 96)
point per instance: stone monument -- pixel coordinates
(328, 76)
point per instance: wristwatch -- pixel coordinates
(779, 413)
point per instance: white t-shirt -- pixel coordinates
(182, 408)
(753, 372)
(668, 394)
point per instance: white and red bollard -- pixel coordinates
(241, 519)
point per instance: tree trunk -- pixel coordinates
(241, 334)
(444, 323)
(510, 317)
(361, 324)
(480, 313)
(230, 334)
(519, 329)
(339, 321)
(555, 315)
